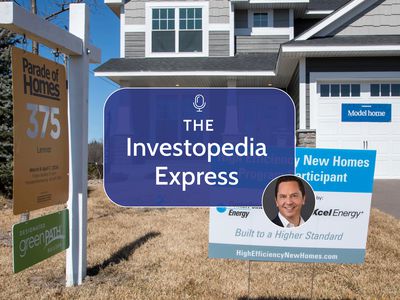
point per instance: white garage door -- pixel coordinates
(384, 137)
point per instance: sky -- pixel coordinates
(104, 34)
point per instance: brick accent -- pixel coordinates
(306, 138)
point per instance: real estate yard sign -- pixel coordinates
(40, 132)
(337, 230)
(40, 238)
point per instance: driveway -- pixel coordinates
(386, 196)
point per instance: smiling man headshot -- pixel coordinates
(290, 197)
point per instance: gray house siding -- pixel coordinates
(219, 43)
(281, 18)
(259, 43)
(383, 19)
(135, 11)
(134, 44)
(219, 11)
(347, 64)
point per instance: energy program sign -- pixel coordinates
(40, 132)
(335, 232)
(195, 147)
(39, 239)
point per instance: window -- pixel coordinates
(340, 90)
(375, 88)
(176, 30)
(190, 30)
(324, 90)
(260, 20)
(163, 34)
(384, 89)
(395, 89)
(355, 90)
(335, 90)
(345, 90)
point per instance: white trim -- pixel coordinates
(250, 18)
(135, 28)
(328, 48)
(302, 94)
(231, 29)
(185, 73)
(176, 54)
(317, 77)
(318, 12)
(204, 5)
(329, 20)
(273, 1)
(359, 10)
(271, 31)
(122, 32)
(107, 2)
(219, 27)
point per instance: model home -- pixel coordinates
(339, 60)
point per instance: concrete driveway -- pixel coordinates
(386, 196)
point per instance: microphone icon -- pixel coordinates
(199, 103)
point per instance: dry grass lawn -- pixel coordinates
(162, 254)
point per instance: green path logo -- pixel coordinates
(39, 239)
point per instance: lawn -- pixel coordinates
(162, 254)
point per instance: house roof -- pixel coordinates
(341, 46)
(340, 16)
(238, 63)
(326, 4)
(245, 69)
(351, 40)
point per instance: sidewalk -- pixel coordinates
(386, 196)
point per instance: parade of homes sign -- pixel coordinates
(196, 147)
(40, 132)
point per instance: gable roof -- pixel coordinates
(351, 40)
(337, 18)
(340, 46)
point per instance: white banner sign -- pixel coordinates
(335, 230)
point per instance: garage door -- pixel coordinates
(361, 116)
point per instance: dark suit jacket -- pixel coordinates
(277, 221)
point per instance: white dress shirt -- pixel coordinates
(286, 223)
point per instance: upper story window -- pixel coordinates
(176, 29)
(190, 30)
(260, 19)
(385, 89)
(163, 30)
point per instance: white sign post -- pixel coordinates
(78, 128)
(75, 44)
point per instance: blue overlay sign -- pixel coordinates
(366, 112)
(196, 147)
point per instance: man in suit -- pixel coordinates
(289, 198)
